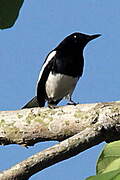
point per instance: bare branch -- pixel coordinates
(87, 124)
(64, 150)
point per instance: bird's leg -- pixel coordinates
(71, 102)
(51, 106)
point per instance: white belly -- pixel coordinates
(59, 86)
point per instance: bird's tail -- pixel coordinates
(31, 104)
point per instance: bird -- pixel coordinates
(61, 71)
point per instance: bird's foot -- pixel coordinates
(72, 103)
(51, 106)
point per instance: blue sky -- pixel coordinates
(40, 27)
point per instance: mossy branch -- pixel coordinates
(83, 126)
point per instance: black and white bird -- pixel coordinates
(61, 71)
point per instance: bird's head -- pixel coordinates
(77, 41)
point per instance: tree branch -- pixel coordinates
(88, 125)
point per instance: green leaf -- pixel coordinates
(109, 159)
(108, 165)
(9, 11)
(106, 176)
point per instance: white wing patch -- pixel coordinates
(59, 86)
(50, 56)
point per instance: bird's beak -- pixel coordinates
(93, 37)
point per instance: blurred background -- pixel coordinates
(40, 27)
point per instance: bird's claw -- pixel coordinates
(72, 103)
(52, 106)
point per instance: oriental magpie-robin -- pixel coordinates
(61, 70)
